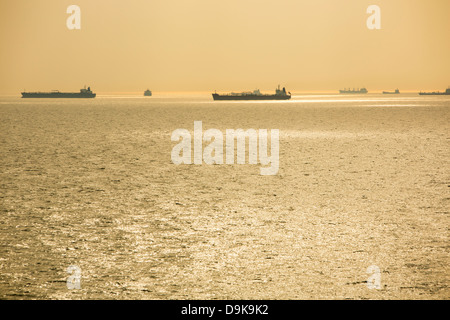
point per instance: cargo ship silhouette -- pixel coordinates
(447, 92)
(280, 94)
(348, 91)
(390, 92)
(84, 93)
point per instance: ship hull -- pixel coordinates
(250, 97)
(385, 92)
(57, 95)
(434, 94)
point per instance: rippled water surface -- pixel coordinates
(363, 180)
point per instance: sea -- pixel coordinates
(359, 208)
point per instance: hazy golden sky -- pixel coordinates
(206, 45)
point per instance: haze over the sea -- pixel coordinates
(204, 45)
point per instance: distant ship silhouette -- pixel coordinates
(390, 92)
(447, 92)
(280, 94)
(84, 93)
(147, 93)
(348, 91)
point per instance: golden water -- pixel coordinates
(363, 180)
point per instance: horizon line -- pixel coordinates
(190, 92)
